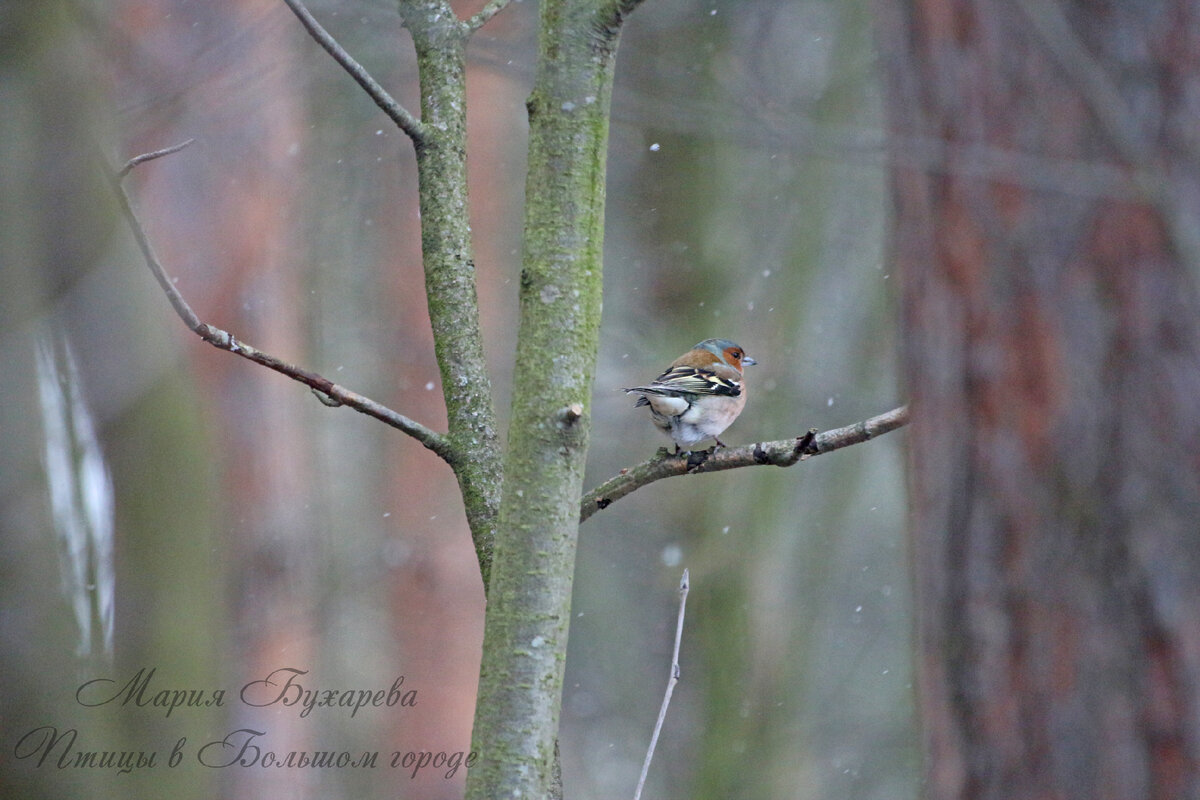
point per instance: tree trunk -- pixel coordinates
(529, 601)
(1045, 179)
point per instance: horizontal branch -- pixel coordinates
(329, 392)
(783, 453)
(398, 113)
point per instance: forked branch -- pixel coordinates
(330, 392)
(782, 453)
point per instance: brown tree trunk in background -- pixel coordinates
(1045, 162)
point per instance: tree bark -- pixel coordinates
(1045, 181)
(440, 40)
(528, 612)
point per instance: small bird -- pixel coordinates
(700, 394)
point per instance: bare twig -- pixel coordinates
(144, 157)
(490, 10)
(398, 113)
(338, 395)
(139, 233)
(684, 585)
(782, 453)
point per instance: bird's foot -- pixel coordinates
(697, 458)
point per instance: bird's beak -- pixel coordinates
(747, 361)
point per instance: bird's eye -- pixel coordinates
(736, 355)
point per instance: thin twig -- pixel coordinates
(139, 233)
(398, 113)
(490, 10)
(338, 395)
(783, 453)
(684, 585)
(144, 157)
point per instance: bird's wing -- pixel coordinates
(690, 380)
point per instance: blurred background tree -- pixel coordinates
(255, 529)
(1048, 221)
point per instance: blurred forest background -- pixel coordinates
(164, 505)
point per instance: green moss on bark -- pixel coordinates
(528, 611)
(440, 41)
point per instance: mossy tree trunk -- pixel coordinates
(525, 537)
(528, 613)
(524, 509)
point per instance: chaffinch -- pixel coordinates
(700, 394)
